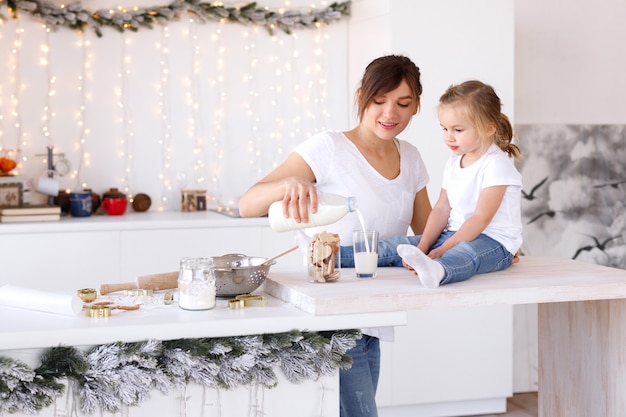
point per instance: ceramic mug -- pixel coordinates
(48, 184)
(80, 204)
(114, 206)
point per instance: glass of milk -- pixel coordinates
(365, 243)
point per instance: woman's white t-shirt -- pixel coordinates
(385, 204)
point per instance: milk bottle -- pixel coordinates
(330, 208)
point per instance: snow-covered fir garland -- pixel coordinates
(109, 377)
(74, 16)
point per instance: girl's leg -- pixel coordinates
(460, 263)
(479, 256)
(387, 252)
(357, 385)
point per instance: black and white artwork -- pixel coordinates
(574, 194)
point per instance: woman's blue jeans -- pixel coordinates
(357, 385)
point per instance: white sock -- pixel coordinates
(430, 272)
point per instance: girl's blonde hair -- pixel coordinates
(483, 108)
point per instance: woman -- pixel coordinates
(386, 176)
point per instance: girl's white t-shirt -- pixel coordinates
(463, 187)
(385, 204)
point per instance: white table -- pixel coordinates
(27, 329)
(582, 320)
(24, 335)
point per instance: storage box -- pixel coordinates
(11, 191)
(193, 200)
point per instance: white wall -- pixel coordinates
(569, 62)
(451, 41)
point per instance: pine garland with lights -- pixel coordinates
(110, 376)
(74, 16)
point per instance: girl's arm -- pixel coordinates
(292, 182)
(437, 222)
(489, 200)
(421, 211)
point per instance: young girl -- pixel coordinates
(475, 226)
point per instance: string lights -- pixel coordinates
(13, 90)
(126, 119)
(83, 156)
(225, 104)
(164, 109)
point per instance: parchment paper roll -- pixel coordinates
(31, 299)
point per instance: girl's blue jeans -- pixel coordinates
(357, 385)
(463, 261)
(467, 259)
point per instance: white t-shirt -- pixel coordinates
(386, 205)
(463, 186)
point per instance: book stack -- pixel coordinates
(35, 213)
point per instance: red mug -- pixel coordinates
(114, 206)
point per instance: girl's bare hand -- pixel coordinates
(436, 253)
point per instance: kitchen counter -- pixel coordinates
(134, 221)
(535, 279)
(575, 300)
(27, 329)
(582, 320)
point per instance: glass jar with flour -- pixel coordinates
(196, 284)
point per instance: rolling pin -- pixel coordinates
(155, 282)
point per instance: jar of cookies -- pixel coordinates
(323, 257)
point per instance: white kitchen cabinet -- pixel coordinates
(86, 252)
(448, 362)
(58, 260)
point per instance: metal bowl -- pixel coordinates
(237, 274)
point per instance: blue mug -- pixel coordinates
(80, 204)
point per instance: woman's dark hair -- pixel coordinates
(385, 74)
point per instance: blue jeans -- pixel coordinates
(387, 253)
(467, 259)
(357, 385)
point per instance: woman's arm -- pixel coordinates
(421, 211)
(489, 201)
(292, 182)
